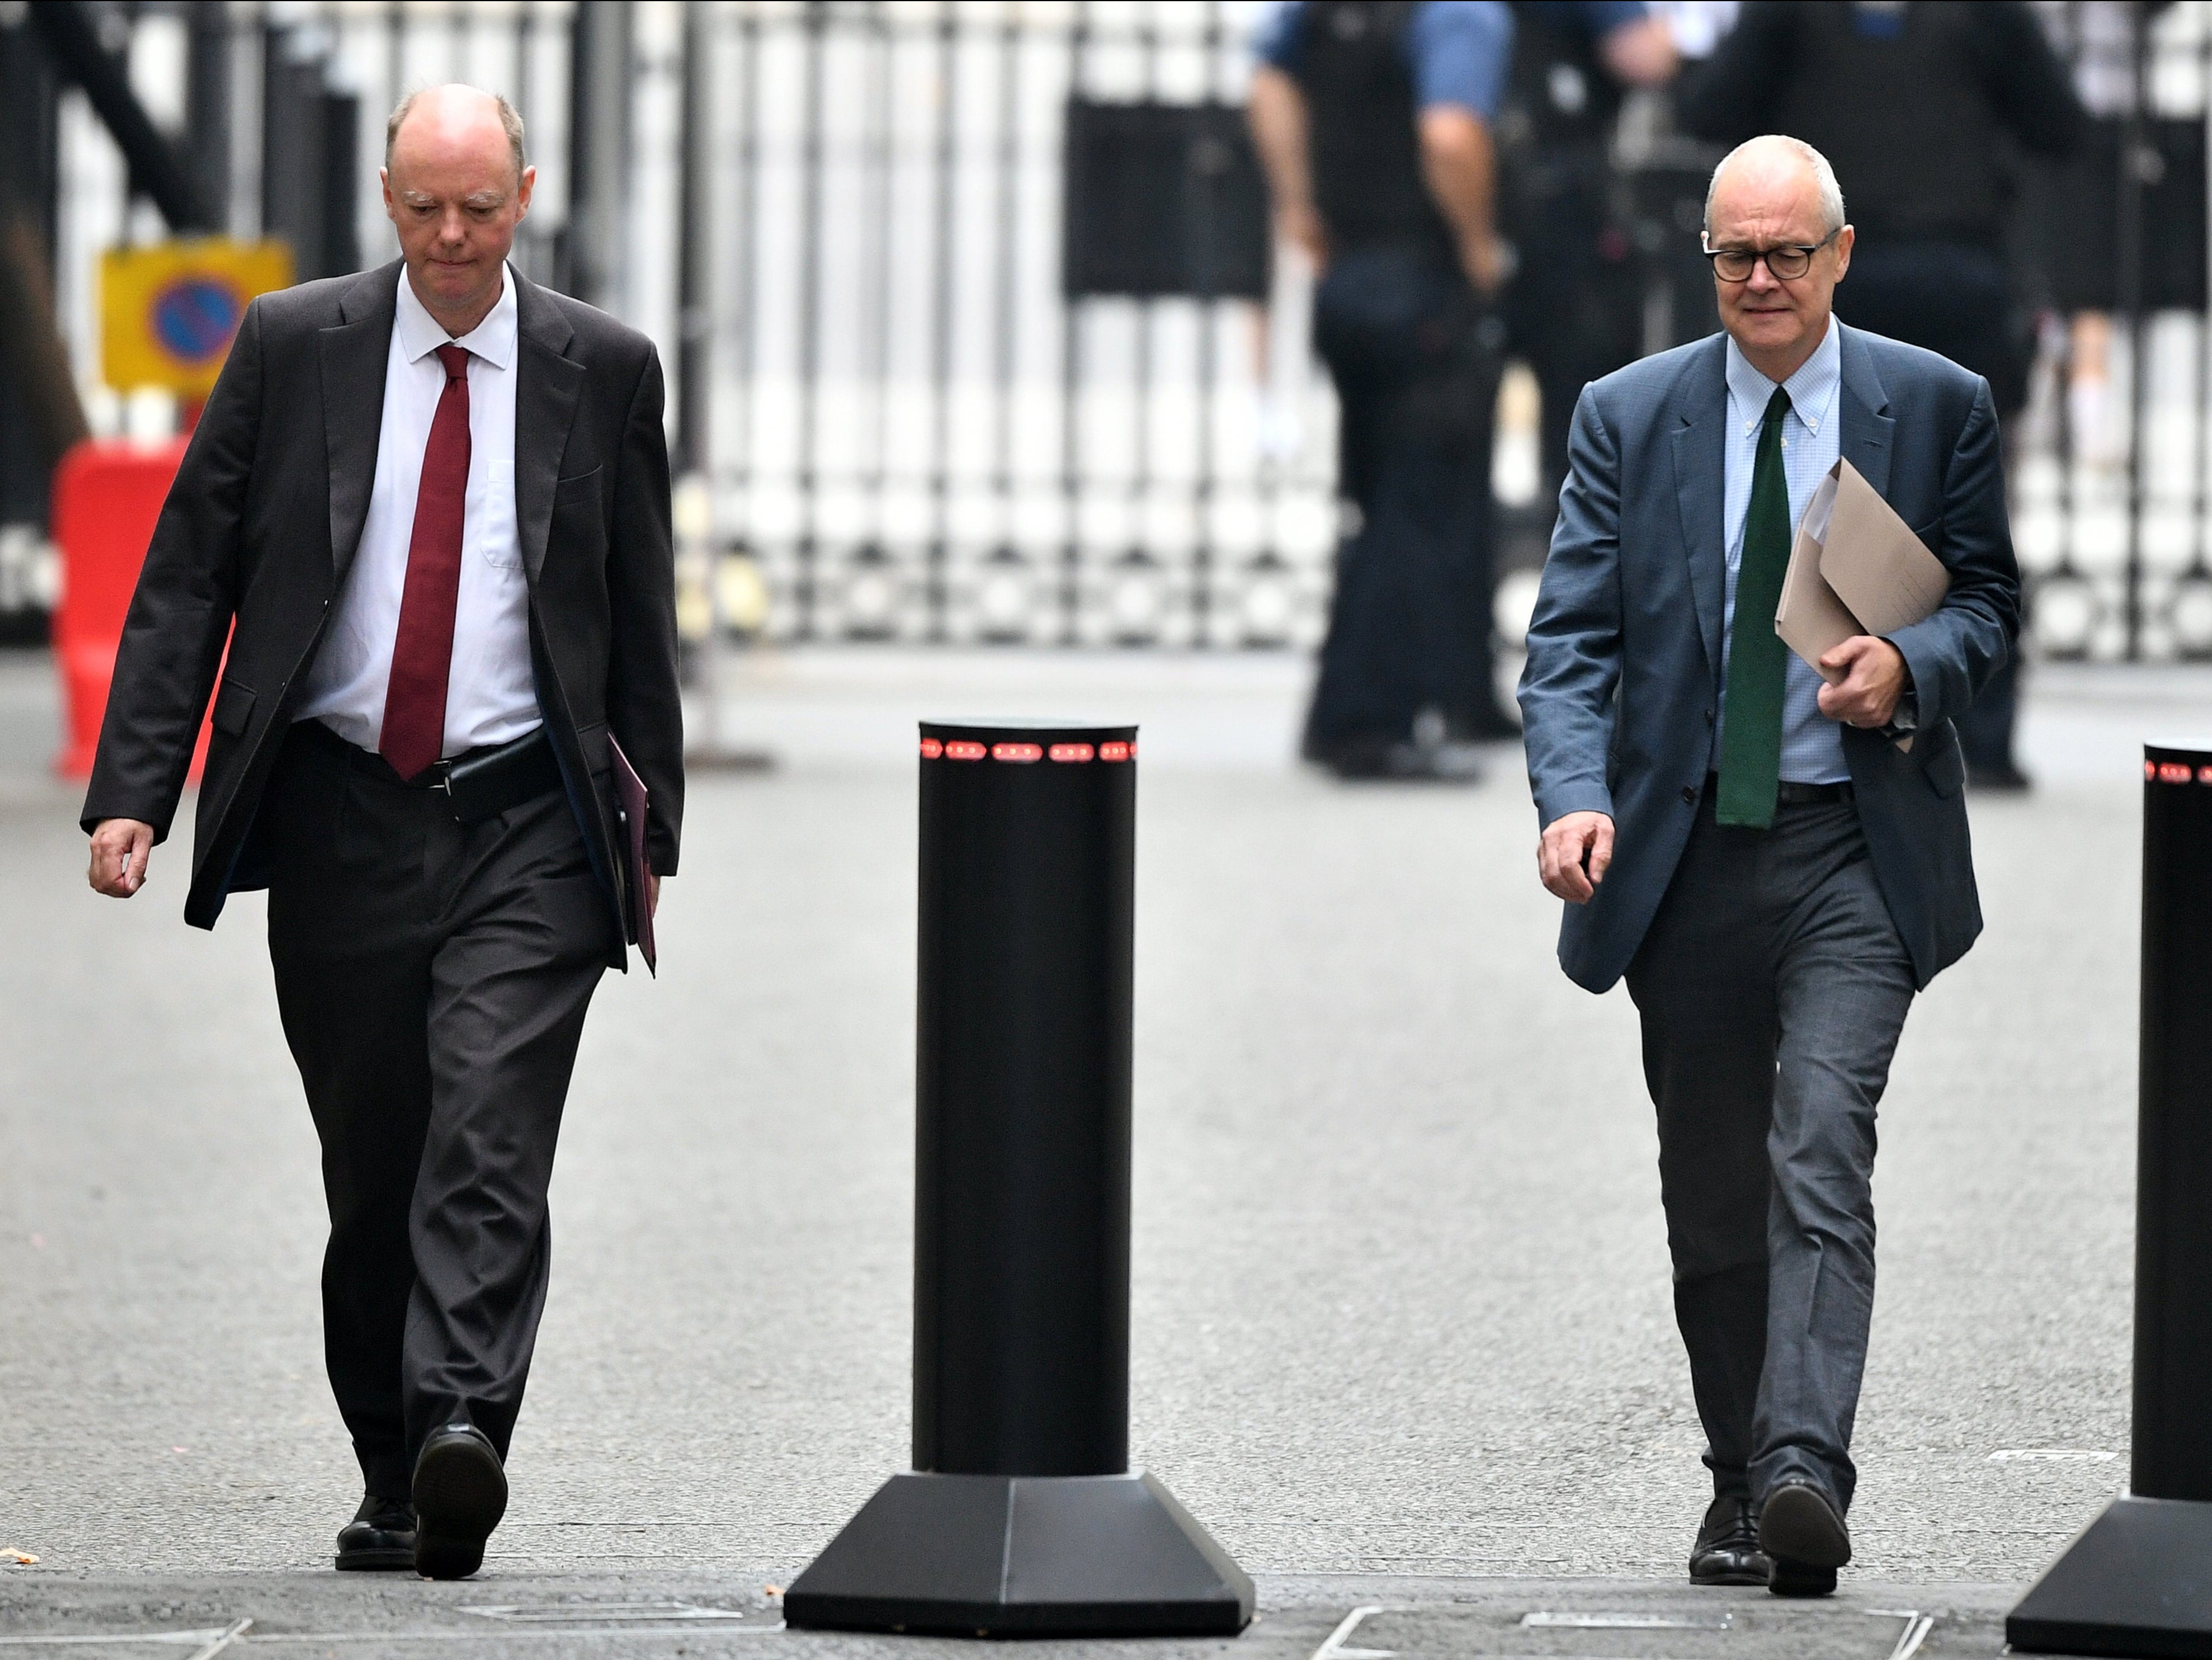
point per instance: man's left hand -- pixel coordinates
(652, 894)
(1873, 678)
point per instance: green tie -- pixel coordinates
(1751, 741)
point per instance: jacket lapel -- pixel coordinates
(1865, 439)
(546, 387)
(353, 357)
(1699, 460)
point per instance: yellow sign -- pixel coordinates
(170, 310)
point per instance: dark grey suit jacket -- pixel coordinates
(1621, 686)
(261, 526)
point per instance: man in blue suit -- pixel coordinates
(1776, 858)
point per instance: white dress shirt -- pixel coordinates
(491, 695)
(1812, 439)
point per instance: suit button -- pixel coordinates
(1709, 717)
(1689, 796)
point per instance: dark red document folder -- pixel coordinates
(630, 791)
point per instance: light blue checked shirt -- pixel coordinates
(1811, 744)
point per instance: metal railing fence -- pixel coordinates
(849, 223)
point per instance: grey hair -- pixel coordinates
(510, 122)
(1824, 176)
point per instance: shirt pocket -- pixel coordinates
(502, 545)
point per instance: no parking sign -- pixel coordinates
(170, 310)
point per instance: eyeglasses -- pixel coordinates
(1784, 263)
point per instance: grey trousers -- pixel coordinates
(433, 980)
(1772, 988)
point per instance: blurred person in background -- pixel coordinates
(1916, 103)
(1373, 124)
(433, 498)
(2101, 38)
(1574, 307)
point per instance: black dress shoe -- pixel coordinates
(1362, 760)
(1489, 724)
(1802, 1529)
(1800, 1579)
(2002, 777)
(1727, 1552)
(1351, 759)
(461, 1494)
(381, 1536)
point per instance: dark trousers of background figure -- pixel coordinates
(1772, 987)
(1572, 315)
(1410, 350)
(1953, 299)
(433, 979)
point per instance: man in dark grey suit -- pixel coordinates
(433, 499)
(1751, 843)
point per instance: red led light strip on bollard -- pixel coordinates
(2175, 772)
(1022, 753)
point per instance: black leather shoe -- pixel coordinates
(1361, 759)
(461, 1494)
(1352, 758)
(1800, 1579)
(2002, 777)
(381, 1536)
(1489, 724)
(1727, 1552)
(1802, 1531)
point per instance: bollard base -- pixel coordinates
(1028, 1555)
(2138, 1582)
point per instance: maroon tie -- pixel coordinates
(414, 701)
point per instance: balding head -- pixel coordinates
(1774, 202)
(456, 113)
(1774, 166)
(456, 186)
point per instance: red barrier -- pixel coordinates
(106, 496)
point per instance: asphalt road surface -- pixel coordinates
(1402, 1337)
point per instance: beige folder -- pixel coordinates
(1856, 568)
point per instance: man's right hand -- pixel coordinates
(1483, 259)
(120, 848)
(1568, 840)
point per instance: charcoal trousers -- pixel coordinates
(433, 979)
(1772, 988)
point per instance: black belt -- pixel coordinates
(1789, 793)
(479, 783)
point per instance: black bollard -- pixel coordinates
(1021, 1517)
(2138, 1581)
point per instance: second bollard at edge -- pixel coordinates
(2134, 1583)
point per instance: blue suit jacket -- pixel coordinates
(1622, 681)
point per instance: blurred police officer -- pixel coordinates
(1915, 103)
(1574, 308)
(1373, 123)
